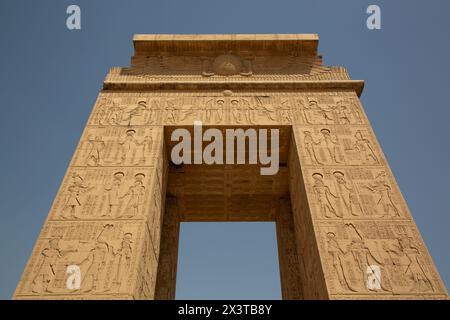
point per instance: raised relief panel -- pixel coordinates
(105, 252)
(184, 110)
(260, 110)
(105, 193)
(126, 111)
(118, 146)
(338, 145)
(330, 110)
(353, 193)
(392, 252)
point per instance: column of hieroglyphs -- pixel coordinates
(369, 245)
(106, 216)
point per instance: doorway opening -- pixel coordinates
(228, 260)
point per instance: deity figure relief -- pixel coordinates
(101, 111)
(241, 111)
(129, 147)
(152, 111)
(95, 149)
(171, 112)
(309, 110)
(47, 265)
(343, 112)
(325, 112)
(137, 111)
(363, 258)
(135, 195)
(113, 194)
(310, 146)
(123, 260)
(285, 111)
(382, 188)
(146, 144)
(408, 262)
(347, 194)
(73, 198)
(214, 110)
(354, 110)
(115, 113)
(267, 109)
(351, 257)
(95, 262)
(330, 143)
(337, 257)
(323, 195)
(364, 147)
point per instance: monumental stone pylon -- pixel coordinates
(344, 230)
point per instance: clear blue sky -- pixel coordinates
(50, 77)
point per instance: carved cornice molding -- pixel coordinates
(336, 78)
(262, 61)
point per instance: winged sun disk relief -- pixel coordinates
(227, 65)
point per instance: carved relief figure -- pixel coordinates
(95, 262)
(128, 145)
(348, 194)
(309, 110)
(383, 189)
(121, 112)
(152, 110)
(137, 111)
(115, 113)
(101, 112)
(354, 110)
(338, 261)
(351, 257)
(363, 257)
(285, 111)
(171, 112)
(119, 146)
(323, 194)
(113, 194)
(267, 109)
(73, 201)
(240, 110)
(95, 148)
(408, 262)
(325, 112)
(342, 112)
(123, 256)
(364, 147)
(47, 264)
(146, 148)
(310, 146)
(330, 143)
(214, 110)
(135, 196)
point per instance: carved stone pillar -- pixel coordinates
(290, 271)
(168, 256)
(104, 225)
(354, 229)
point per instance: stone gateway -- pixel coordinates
(344, 230)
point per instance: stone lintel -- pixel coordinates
(301, 44)
(353, 85)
